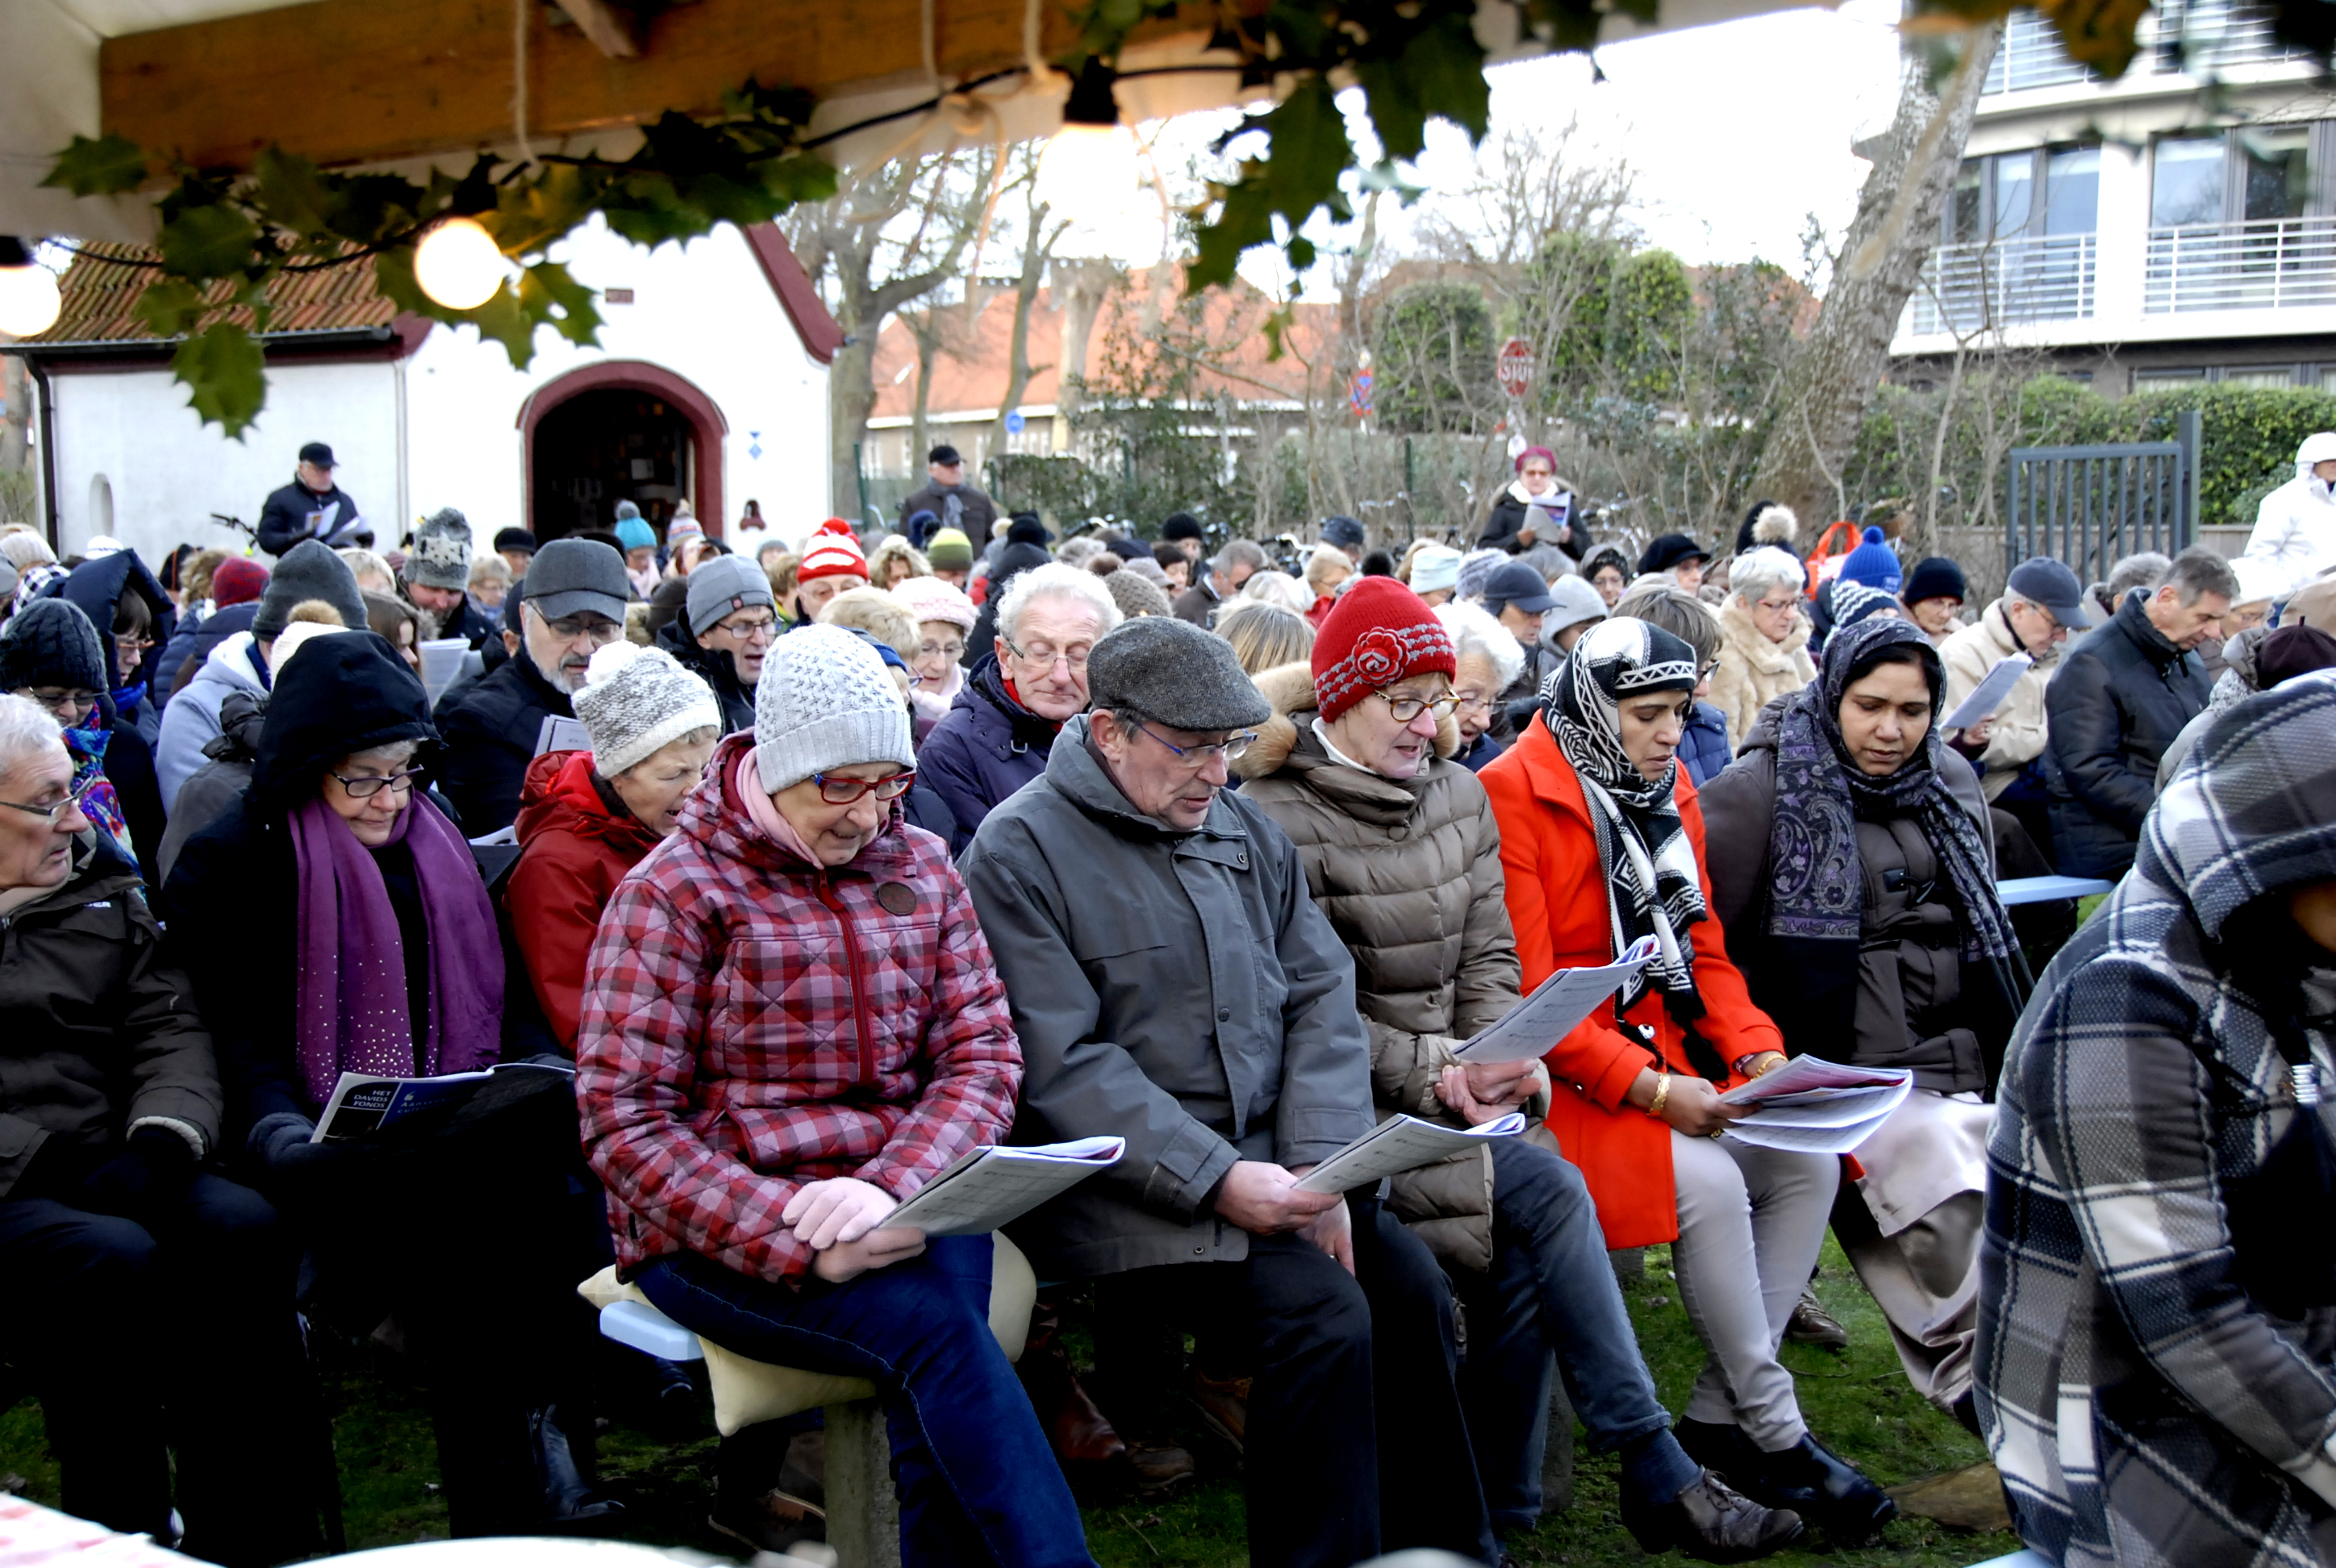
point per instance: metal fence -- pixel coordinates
(2091, 506)
(2203, 37)
(2003, 282)
(2270, 264)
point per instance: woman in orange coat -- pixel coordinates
(1602, 844)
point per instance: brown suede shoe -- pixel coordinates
(1811, 1324)
(1712, 1521)
(1223, 1405)
(1159, 1467)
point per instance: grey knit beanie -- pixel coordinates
(1135, 597)
(826, 701)
(1171, 670)
(51, 643)
(726, 584)
(309, 569)
(636, 700)
(441, 557)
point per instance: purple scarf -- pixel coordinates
(352, 1016)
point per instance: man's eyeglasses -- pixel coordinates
(838, 791)
(1230, 748)
(1407, 708)
(366, 785)
(64, 704)
(599, 628)
(749, 629)
(1047, 659)
(55, 813)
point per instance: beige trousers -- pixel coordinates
(1925, 1280)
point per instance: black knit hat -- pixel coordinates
(514, 539)
(309, 569)
(51, 643)
(1666, 551)
(1171, 670)
(1181, 525)
(1934, 577)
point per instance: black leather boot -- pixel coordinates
(1711, 1520)
(1824, 1490)
(1718, 1447)
(568, 1498)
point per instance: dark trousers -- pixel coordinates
(1550, 1290)
(173, 1330)
(1355, 1442)
(976, 1480)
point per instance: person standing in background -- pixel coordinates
(313, 506)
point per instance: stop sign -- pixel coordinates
(1514, 366)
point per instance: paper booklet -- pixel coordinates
(996, 1184)
(557, 734)
(363, 1104)
(1988, 694)
(442, 661)
(1534, 1024)
(1813, 1106)
(1397, 1144)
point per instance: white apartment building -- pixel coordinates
(2178, 226)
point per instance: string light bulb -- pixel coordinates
(1091, 161)
(458, 264)
(29, 301)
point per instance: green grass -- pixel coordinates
(1857, 1402)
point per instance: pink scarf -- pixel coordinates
(747, 780)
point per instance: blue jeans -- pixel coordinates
(976, 1480)
(1550, 1289)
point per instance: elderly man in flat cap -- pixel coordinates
(1172, 984)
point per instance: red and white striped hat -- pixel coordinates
(831, 551)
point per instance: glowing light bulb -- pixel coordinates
(458, 265)
(1087, 168)
(29, 301)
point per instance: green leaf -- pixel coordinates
(546, 288)
(1440, 71)
(292, 193)
(502, 319)
(106, 166)
(208, 242)
(171, 306)
(225, 375)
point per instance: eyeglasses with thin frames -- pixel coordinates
(57, 814)
(1199, 757)
(748, 631)
(365, 786)
(1407, 708)
(63, 704)
(1047, 659)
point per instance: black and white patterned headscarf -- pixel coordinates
(1652, 886)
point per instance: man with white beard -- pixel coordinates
(573, 603)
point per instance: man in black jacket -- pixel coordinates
(724, 630)
(573, 603)
(2122, 695)
(953, 502)
(312, 507)
(437, 574)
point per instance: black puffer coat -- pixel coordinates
(987, 746)
(491, 735)
(2122, 695)
(733, 696)
(1508, 516)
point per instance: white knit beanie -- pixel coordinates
(636, 700)
(826, 701)
(930, 599)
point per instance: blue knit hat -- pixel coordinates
(1875, 564)
(633, 533)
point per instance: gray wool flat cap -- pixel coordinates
(1172, 671)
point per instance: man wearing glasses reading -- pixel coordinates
(573, 604)
(1172, 984)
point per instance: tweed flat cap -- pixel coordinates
(1171, 670)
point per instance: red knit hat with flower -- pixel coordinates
(1378, 633)
(831, 551)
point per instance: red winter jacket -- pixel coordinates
(576, 853)
(753, 1023)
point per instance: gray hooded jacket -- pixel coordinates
(1177, 989)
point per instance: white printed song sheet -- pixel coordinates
(1536, 1024)
(1988, 694)
(442, 661)
(995, 1183)
(1813, 1106)
(1397, 1144)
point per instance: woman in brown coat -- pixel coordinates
(1402, 855)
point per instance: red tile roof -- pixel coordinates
(100, 299)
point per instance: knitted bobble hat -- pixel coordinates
(51, 643)
(831, 551)
(236, 579)
(930, 599)
(825, 701)
(1378, 633)
(1875, 564)
(638, 701)
(441, 557)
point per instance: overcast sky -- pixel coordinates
(1737, 131)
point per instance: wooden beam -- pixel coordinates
(417, 78)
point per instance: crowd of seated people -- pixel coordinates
(818, 870)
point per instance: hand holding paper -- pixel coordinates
(1397, 1144)
(994, 1184)
(1989, 694)
(1814, 1106)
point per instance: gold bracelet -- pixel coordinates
(1662, 1095)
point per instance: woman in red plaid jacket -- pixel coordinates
(791, 1024)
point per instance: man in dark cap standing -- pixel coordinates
(953, 502)
(1172, 984)
(312, 507)
(573, 603)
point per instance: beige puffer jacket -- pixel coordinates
(2017, 738)
(1410, 876)
(1753, 671)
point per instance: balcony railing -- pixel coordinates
(2197, 36)
(2273, 264)
(2004, 283)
